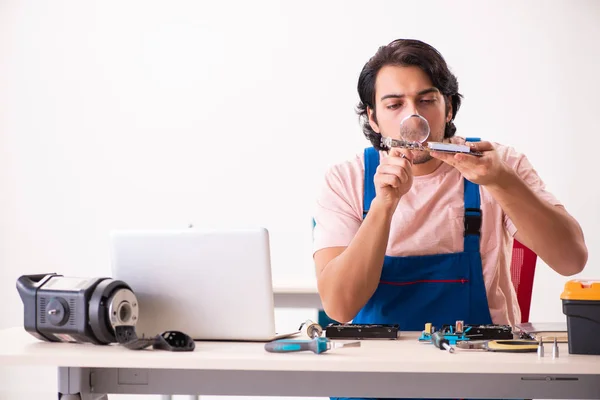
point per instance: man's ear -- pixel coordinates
(449, 109)
(373, 119)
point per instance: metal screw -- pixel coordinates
(555, 349)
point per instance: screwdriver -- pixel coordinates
(317, 345)
(441, 342)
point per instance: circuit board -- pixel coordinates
(362, 331)
(388, 143)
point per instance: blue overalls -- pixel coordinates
(439, 288)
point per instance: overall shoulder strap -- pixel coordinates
(371, 156)
(472, 213)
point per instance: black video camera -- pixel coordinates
(80, 310)
(88, 310)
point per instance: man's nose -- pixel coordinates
(410, 109)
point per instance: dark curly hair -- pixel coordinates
(406, 52)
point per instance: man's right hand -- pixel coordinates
(393, 178)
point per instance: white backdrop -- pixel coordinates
(141, 114)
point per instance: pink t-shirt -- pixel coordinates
(429, 220)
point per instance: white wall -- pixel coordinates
(143, 114)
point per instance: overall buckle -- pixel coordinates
(472, 221)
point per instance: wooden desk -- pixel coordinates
(400, 368)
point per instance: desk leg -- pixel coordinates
(76, 384)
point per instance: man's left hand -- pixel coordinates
(482, 170)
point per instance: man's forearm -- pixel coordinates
(546, 229)
(350, 279)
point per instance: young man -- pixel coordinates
(410, 237)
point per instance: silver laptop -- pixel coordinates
(210, 284)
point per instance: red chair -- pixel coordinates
(522, 270)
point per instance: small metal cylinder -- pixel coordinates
(555, 349)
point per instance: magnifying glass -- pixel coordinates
(414, 129)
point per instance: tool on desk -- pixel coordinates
(439, 341)
(555, 349)
(362, 331)
(317, 345)
(500, 346)
(311, 329)
(540, 349)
